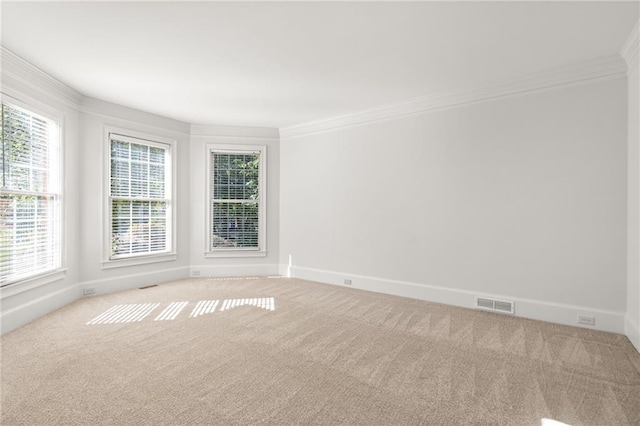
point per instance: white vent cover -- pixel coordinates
(494, 305)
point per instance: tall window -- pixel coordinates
(236, 200)
(140, 197)
(30, 220)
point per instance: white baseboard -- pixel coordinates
(559, 313)
(633, 332)
(535, 309)
(266, 269)
(284, 270)
(131, 281)
(33, 309)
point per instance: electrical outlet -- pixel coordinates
(88, 291)
(586, 320)
(195, 273)
(347, 281)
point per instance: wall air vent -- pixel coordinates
(484, 303)
(493, 305)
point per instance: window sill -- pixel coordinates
(30, 283)
(141, 260)
(234, 253)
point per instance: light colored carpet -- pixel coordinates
(324, 355)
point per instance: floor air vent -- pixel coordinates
(495, 305)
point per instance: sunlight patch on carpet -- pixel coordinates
(136, 312)
(231, 278)
(204, 307)
(267, 303)
(133, 312)
(551, 422)
(171, 311)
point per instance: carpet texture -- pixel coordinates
(285, 351)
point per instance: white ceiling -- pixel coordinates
(286, 63)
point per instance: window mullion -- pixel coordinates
(34, 257)
(4, 152)
(28, 193)
(30, 180)
(151, 200)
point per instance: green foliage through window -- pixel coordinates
(235, 216)
(29, 195)
(139, 202)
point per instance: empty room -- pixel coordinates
(320, 213)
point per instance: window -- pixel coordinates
(140, 197)
(236, 200)
(30, 195)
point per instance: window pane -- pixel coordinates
(121, 208)
(18, 178)
(139, 152)
(156, 189)
(158, 234)
(119, 149)
(235, 176)
(119, 169)
(120, 187)
(28, 235)
(138, 227)
(156, 155)
(235, 225)
(139, 171)
(39, 179)
(139, 188)
(140, 209)
(158, 209)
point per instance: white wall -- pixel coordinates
(230, 266)
(94, 117)
(522, 197)
(633, 238)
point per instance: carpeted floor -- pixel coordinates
(285, 351)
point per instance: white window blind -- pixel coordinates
(235, 205)
(30, 221)
(140, 197)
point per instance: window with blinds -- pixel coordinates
(236, 188)
(30, 194)
(140, 197)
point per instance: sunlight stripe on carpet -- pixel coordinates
(133, 312)
(171, 311)
(204, 307)
(267, 303)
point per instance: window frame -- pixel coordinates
(261, 251)
(108, 261)
(26, 283)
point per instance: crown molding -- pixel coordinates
(29, 75)
(16, 69)
(117, 112)
(606, 68)
(212, 130)
(629, 51)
